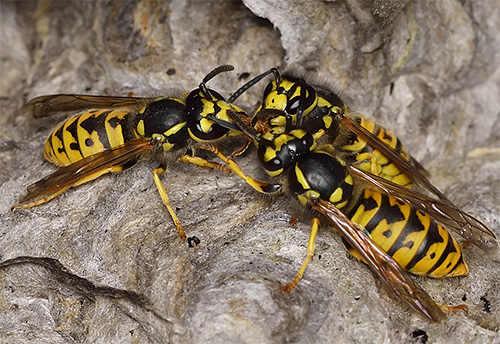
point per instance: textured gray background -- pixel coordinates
(428, 70)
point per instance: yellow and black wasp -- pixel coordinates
(109, 134)
(360, 177)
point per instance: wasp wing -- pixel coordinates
(71, 175)
(441, 210)
(415, 172)
(49, 105)
(399, 282)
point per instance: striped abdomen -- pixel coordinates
(88, 133)
(419, 244)
(371, 160)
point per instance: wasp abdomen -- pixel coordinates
(87, 134)
(418, 243)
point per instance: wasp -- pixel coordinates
(109, 134)
(360, 177)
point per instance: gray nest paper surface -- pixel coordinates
(427, 70)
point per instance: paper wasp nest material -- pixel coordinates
(429, 71)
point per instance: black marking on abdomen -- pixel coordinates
(386, 211)
(114, 122)
(96, 124)
(412, 225)
(450, 248)
(432, 237)
(72, 129)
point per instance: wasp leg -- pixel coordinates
(368, 161)
(256, 184)
(242, 149)
(310, 253)
(166, 202)
(200, 162)
(60, 189)
(457, 308)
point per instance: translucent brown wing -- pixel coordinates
(68, 176)
(45, 106)
(441, 210)
(415, 172)
(398, 281)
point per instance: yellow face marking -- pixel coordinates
(208, 107)
(224, 108)
(282, 140)
(269, 154)
(268, 136)
(205, 125)
(274, 100)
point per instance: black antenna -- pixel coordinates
(252, 82)
(216, 71)
(302, 99)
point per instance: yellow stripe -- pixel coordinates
(115, 135)
(83, 135)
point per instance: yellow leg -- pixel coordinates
(200, 162)
(457, 308)
(166, 201)
(310, 253)
(257, 185)
(319, 134)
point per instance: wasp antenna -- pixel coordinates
(243, 127)
(216, 71)
(300, 110)
(252, 82)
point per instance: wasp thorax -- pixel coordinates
(321, 174)
(165, 117)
